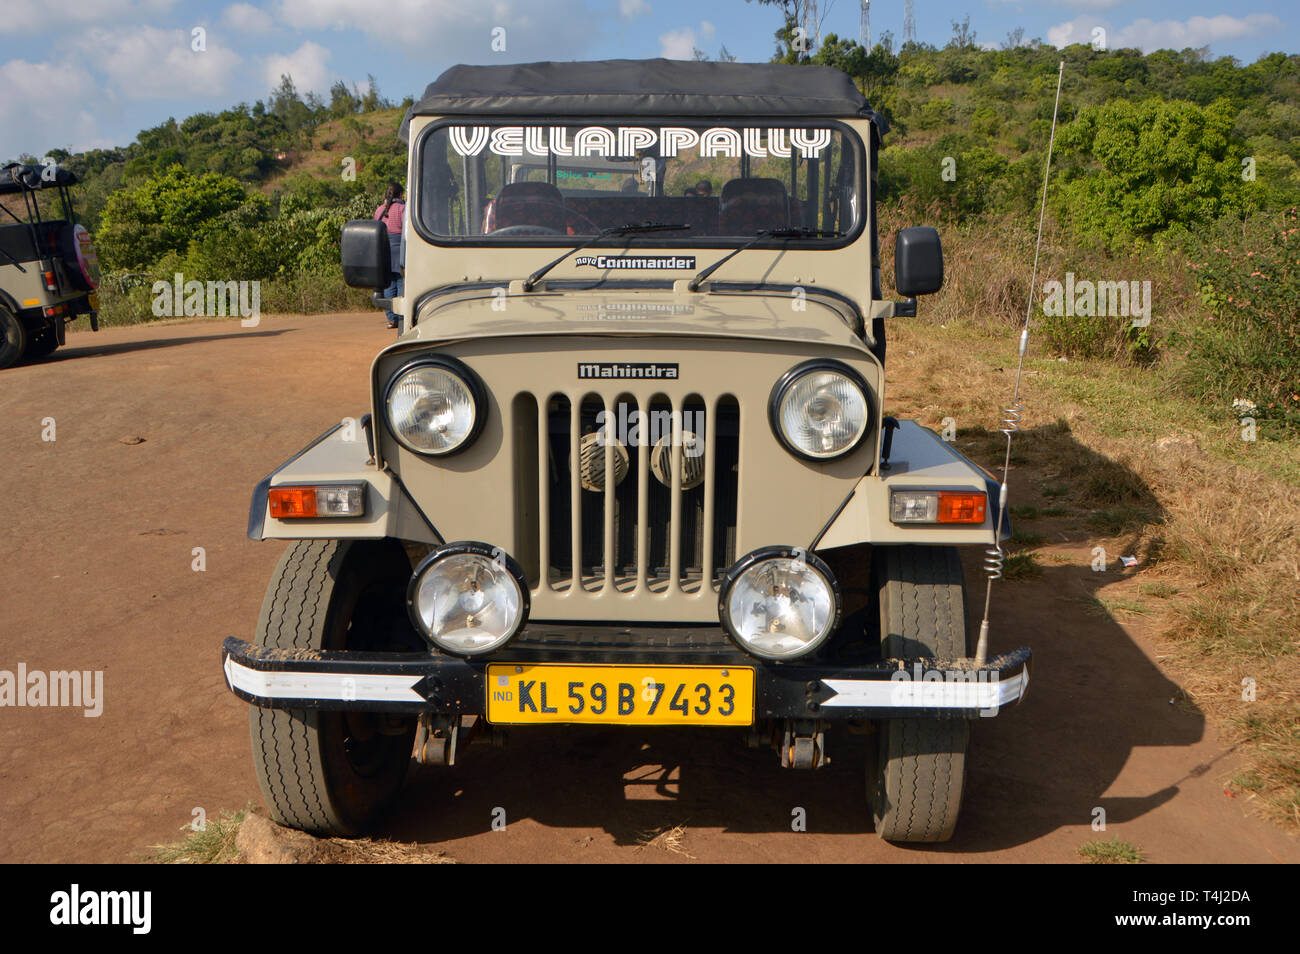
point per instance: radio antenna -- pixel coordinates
(994, 556)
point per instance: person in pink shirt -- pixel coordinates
(391, 214)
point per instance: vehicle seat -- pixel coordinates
(526, 203)
(748, 205)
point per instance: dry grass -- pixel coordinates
(365, 851)
(665, 839)
(216, 844)
(1112, 852)
(1215, 523)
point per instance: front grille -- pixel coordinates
(641, 499)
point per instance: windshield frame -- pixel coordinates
(686, 240)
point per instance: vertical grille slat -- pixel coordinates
(675, 516)
(544, 491)
(611, 488)
(711, 416)
(575, 493)
(642, 528)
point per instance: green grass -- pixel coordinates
(1116, 520)
(1026, 538)
(1144, 405)
(1112, 852)
(213, 846)
(1123, 402)
(1021, 566)
(1159, 590)
(1119, 605)
(1219, 515)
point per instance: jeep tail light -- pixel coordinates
(50, 283)
(317, 501)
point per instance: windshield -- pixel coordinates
(534, 184)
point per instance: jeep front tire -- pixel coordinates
(916, 776)
(334, 772)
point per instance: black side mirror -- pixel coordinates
(365, 254)
(918, 261)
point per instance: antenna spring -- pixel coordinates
(1011, 418)
(993, 558)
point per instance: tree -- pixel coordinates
(1136, 169)
(372, 101)
(164, 214)
(794, 39)
(343, 101)
(963, 37)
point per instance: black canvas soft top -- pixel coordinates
(683, 89)
(23, 177)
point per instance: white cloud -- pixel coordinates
(24, 109)
(440, 30)
(678, 44)
(306, 65)
(1078, 30)
(247, 18)
(1196, 32)
(1147, 35)
(35, 16)
(681, 44)
(1076, 4)
(149, 63)
(630, 9)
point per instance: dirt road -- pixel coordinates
(97, 572)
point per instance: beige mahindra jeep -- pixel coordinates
(627, 462)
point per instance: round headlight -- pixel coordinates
(435, 407)
(820, 409)
(779, 603)
(468, 598)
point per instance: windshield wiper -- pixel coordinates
(629, 229)
(766, 233)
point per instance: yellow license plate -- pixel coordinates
(519, 693)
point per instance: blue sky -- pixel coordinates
(98, 71)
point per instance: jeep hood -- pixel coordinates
(635, 313)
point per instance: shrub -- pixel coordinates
(1248, 349)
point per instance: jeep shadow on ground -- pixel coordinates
(1046, 763)
(75, 350)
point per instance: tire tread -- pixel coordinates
(921, 764)
(286, 750)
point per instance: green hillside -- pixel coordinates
(1169, 168)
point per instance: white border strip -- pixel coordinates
(335, 687)
(933, 694)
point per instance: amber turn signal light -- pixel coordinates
(961, 508)
(320, 500)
